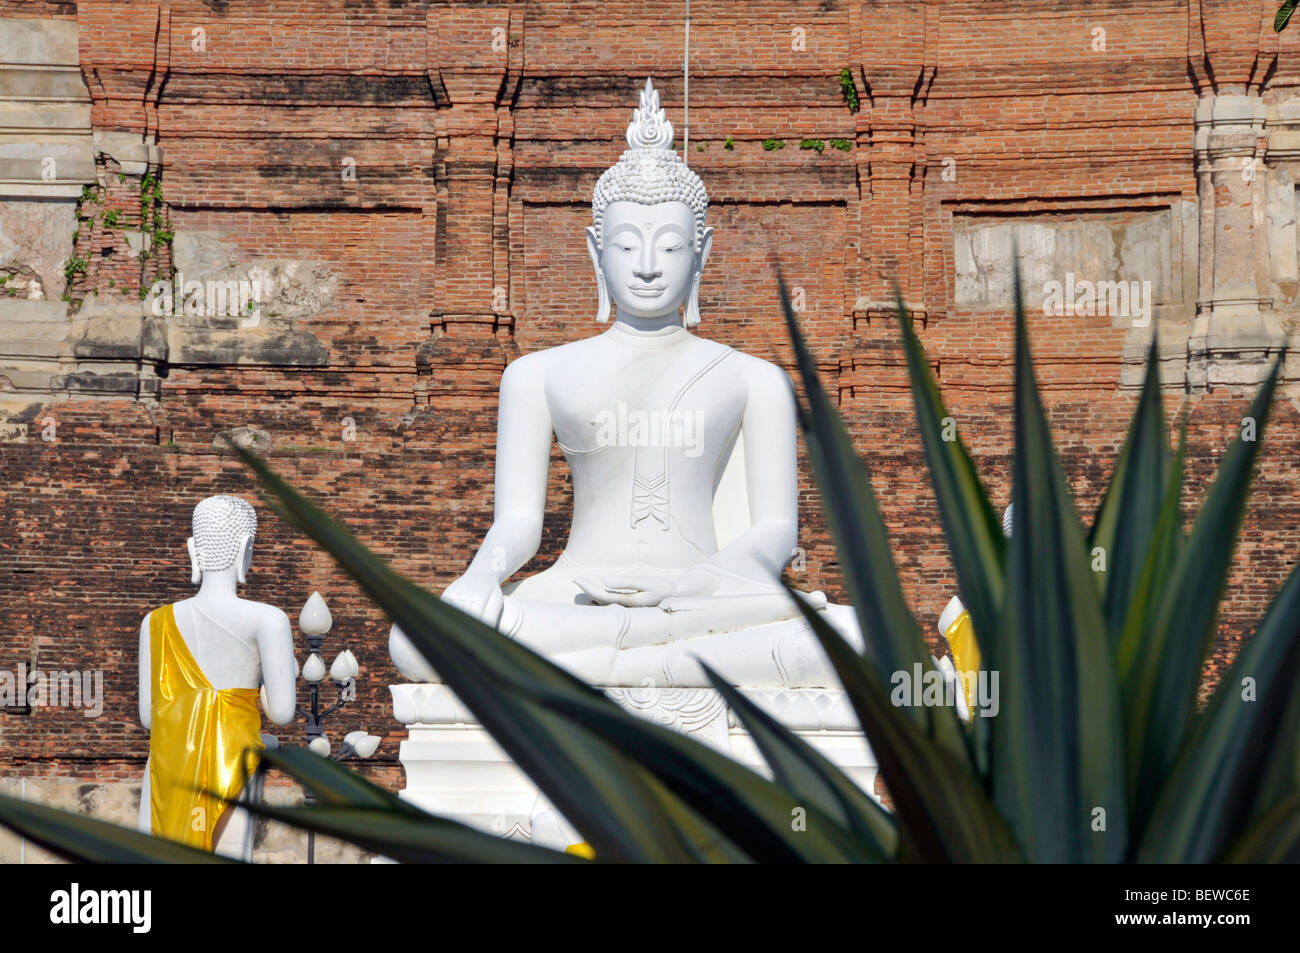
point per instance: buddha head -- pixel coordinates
(223, 529)
(649, 241)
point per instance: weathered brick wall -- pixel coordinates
(457, 245)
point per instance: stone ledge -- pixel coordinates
(455, 768)
(684, 709)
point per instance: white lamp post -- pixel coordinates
(315, 622)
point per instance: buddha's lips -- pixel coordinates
(646, 292)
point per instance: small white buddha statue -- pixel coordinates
(683, 460)
(202, 663)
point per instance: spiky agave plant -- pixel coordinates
(1097, 754)
(1284, 14)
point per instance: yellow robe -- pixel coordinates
(965, 654)
(197, 738)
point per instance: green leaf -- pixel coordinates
(1057, 746)
(1283, 16)
(1126, 520)
(1165, 548)
(971, 526)
(808, 775)
(892, 637)
(83, 839)
(1205, 800)
(424, 839)
(705, 843)
(332, 784)
(592, 784)
(1280, 773)
(1274, 839)
(943, 814)
(1160, 692)
(744, 806)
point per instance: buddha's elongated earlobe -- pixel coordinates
(195, 575)
(602, 289)
(602, 299)
(692, 316)
(244, 559)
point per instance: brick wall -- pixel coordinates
(457, 245)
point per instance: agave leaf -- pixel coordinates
(1284, 14)
(1274, 839)
(748, 808)
(498, 679)
(971, 526)
(1280, 775)
(332, 784)
(943, 814)
(589, 782)
(808, 775)
(1227, 754)
(705, 843)
(1057, 756)
(1160, 692)
(892, 637)
(1126, 520)
(1162, 557)
(419, 839)
(82, 839)
(616, 776)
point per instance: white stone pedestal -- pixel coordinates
(454, 768)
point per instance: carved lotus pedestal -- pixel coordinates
(454, 768)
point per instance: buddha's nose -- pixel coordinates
(645, 268)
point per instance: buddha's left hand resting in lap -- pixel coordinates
(649, 417)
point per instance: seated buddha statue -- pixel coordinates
(202, 663)
(683, 459)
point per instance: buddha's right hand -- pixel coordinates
(479, 596)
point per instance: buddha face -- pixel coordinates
(648, 259)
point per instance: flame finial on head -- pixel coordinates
(650, 128)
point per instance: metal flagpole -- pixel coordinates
(686, 73)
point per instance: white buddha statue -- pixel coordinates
(683, 459)
(202, 663)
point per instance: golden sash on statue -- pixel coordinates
(197, 738)
(965, 653)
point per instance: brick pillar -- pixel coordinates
(894, 49)
(1235, 328)
(895, 46)
(475, 58)
(1235, 332)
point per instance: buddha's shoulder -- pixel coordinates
(264, 613)
(551, 355)
(759, 371)
(536, 366)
